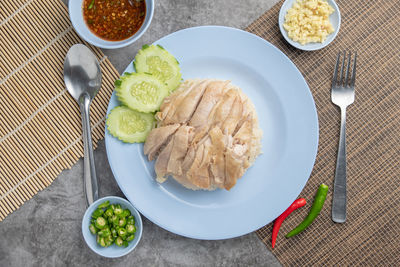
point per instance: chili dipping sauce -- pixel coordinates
(114, 20)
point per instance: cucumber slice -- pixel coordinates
(129, 125)
(156, 60)
(140, 91)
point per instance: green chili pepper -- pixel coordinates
(104, 205)
(130, 228)
(109, 240)
(100, 223)
(130, 238)
(112, 224)
(130, 220)
(102, 242)
(122, 232)
(125, 213)
(91, 5)
(114, 220)
(97, 213)
(118, 210)
(114, 232)
(105, 232)
(314, 212)
(92, 229)
(118, 241)
(109, 212)
(121, 222)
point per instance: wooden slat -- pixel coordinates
(40, 124)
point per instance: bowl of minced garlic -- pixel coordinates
(309, 24)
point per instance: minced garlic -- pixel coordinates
(308, 21)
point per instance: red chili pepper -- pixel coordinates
(298, 203)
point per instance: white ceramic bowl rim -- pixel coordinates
(335, 19)
(112, 251)
(76, 17)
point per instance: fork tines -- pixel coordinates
(344, 80)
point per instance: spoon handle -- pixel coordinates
(89, 170)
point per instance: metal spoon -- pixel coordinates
(82, 77)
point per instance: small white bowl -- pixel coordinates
(334, 18)
(112, 251)
(78, 22)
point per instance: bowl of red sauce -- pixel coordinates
(111, 24)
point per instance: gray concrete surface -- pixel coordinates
(45, 231)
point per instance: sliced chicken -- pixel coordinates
(180, 146)
(242, 140)
(245, 132)
(218, 158)
(172, 102)
(198, 173)
(243, 117)
(188, 160)
(161, 164)
(222, 109)
(233, 169)
(207, 135)
(157, 138)
(186, 108)
(235, 115)
(213, 93)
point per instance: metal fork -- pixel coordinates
(342, 95)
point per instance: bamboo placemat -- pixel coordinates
(40, 124)
(370, 235)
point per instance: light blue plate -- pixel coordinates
(287, 116)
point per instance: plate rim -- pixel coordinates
(314, 149)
